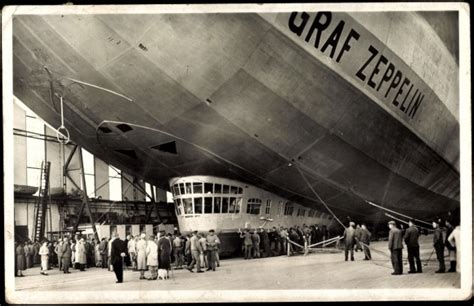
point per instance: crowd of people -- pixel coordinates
(446, 236)
(261, 242)
(159, 253)
(153, 253)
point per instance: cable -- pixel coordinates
(317, 195)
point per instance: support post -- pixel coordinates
(85, 198)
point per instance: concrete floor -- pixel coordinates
(321, 270)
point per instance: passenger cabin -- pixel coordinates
(207, 202)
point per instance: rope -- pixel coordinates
(397, 213)
(317, 195)
(334, 239)
(403, 221)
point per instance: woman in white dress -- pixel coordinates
(455, 240)
(152, 257)
(141, 255)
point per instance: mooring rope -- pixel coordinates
(317, 195)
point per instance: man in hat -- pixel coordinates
(413, 247)
(212, 244)
(349, 236)
(365, 240)
(396, 247)
(438, 244)
(117, 253)
(196, 251)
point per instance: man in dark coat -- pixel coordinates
(265, 241)
(438, 244)
(395, 246)
(349, 240)
(365, 240)
(117, 252)
(413, 247)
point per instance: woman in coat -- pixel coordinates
(44, 253)
(81, 254)
(98, 257)
(152, 257)
(164, 251)
(20, 259)
(141, 255)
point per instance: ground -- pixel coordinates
(319, 270)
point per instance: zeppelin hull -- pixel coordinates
(232, 95)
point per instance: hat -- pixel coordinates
(351, 223)
(392, 222)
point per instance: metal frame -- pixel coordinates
(84, 198)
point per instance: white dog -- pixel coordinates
(163, 274)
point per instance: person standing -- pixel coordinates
(212, 245)
(44, 253)
(396, 247)
(66, 255)
(36, 256)
(103, 252)
(365, 241)
(196, 251)
(75, 265)
(247, 236)
(178, 251)
(203, 242)
(59, 252)
(98, 257)
(187, 250)
(357, 232)
(81, 254)
(140, 247)
(265, 241)
(413, 247)
(349, 236)
(131, 244)
(438, 244)
(451, 248)
(164, 252)
(20, 259)
(454, 239)
(256, 244)
(117, 253)
(152, 257)
(30, 255)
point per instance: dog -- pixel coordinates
(163, 274)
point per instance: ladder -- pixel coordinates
(41, 203)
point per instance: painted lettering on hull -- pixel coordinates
(382, 74)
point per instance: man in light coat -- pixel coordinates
(196, 251)
(349, 239)
(152, 257)
(44, 253)
(59, 252)
(131, 245)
